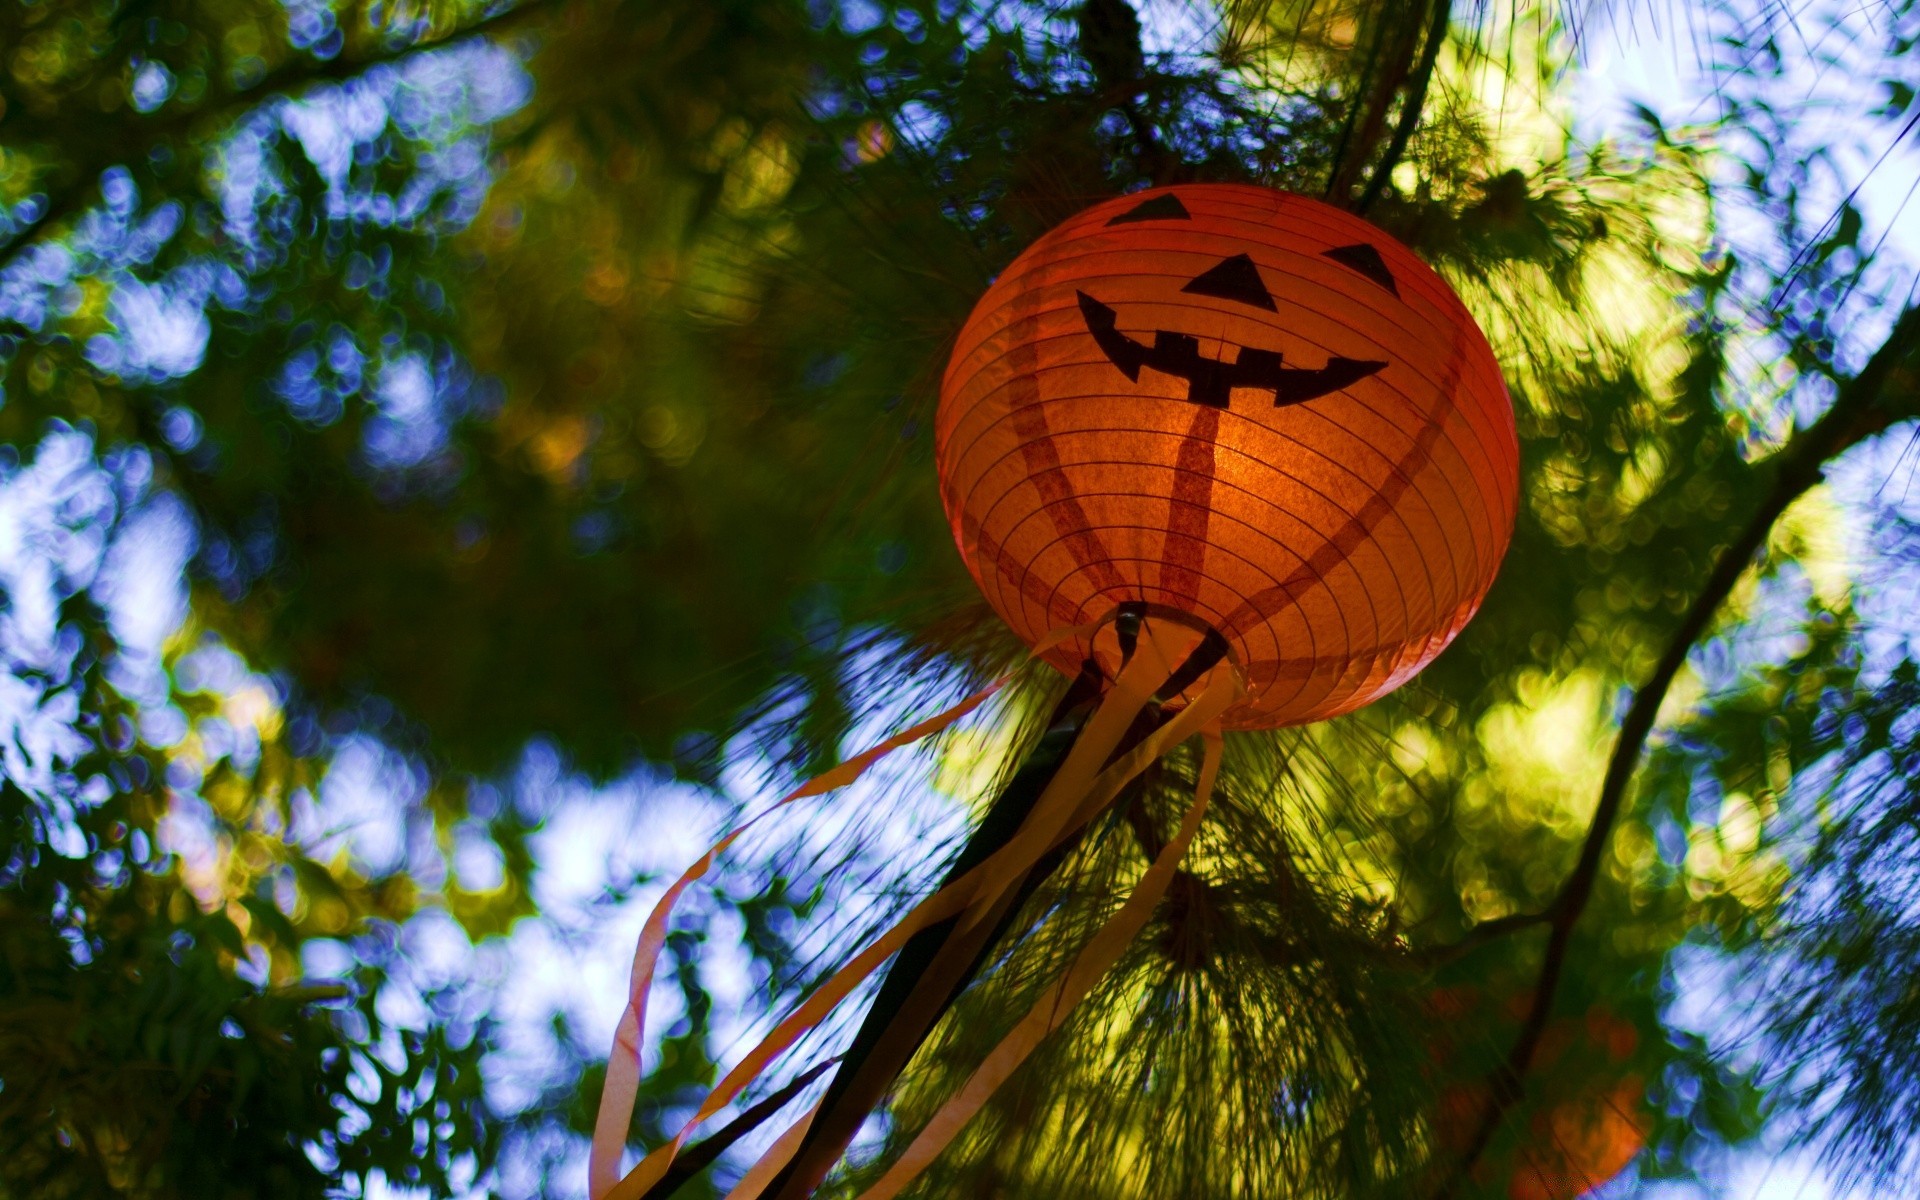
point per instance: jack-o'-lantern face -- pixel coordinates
(1213, 380)
(1244, 408)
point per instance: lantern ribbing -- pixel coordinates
(1243, 405)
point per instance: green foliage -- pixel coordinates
(1836, 965)
(146, 1054)
(157, 1039)
(564, 373)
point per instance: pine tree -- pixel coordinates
(562, 373)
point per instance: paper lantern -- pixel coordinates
(1248, 409)
(1233, 446)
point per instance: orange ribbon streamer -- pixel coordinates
(622, 1084)
(777, 1156)
(982, 885)
(1092, 963)
(1079, 790)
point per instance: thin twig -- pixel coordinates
(1866, 405)
(1480, 935)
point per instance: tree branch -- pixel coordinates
(301, 73)
(1410, 108)
(1395, 48)
(1480, 935)
(1885, 391)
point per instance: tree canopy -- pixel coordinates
(459, 455)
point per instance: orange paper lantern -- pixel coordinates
(1239, 423)
(1251, 411)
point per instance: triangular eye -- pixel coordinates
(1164, 207)
(1233, 278)
(1366, 260)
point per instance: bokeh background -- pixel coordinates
(458, 458)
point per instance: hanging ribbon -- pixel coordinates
(622, 1084)
(1079, 791)
(1058, 1001)
(784, 1147)
(1044, 826)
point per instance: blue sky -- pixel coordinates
(1656, 55)
(68, 523)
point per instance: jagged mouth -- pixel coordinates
(1211, 381)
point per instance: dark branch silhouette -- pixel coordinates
(1886, 391)
(1410, 108)
(84, 175)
